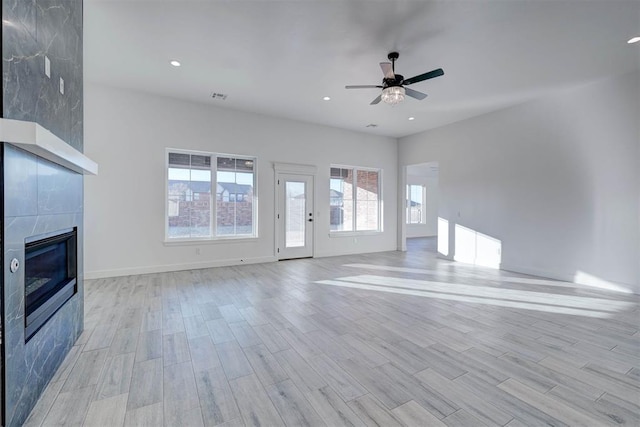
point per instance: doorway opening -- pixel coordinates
(421, 207)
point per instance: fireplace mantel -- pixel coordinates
(34, 138)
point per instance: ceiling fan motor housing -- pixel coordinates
(397, 81)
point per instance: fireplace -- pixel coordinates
(50, 276)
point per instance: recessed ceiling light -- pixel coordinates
(175, 63)
(633, 40)
(326, 98)
(412, 118)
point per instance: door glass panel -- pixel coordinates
(295, 202)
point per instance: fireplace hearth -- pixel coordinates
(50, 276)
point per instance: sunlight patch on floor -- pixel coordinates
(502, 278)
(539, 301)
(596, 282)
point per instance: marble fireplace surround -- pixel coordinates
(37, 140)
(43, 193)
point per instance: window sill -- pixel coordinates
(353, 233)
(209, 241)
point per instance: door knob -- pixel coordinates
(310, 220)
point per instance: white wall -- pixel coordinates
(430, 227)
(557, 180)
(127, 132)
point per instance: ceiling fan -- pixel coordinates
(393, 85)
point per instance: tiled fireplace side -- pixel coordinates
(39, 196)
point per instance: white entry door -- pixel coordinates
(295, 216)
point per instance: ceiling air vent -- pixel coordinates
(371, 125)
(218, 96)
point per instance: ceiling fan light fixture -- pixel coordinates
(393, 95)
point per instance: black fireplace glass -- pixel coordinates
(50, 276)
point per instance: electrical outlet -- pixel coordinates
(61, 86)
(47, 67)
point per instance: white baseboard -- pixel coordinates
(426, 234)
(537, 272)
(573, 278)
(101, 274)
(132, 271)
(360, 252)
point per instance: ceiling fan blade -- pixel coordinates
(415, 94)
(362, 87)
(387, 70)
(375, 101)
(425, 76)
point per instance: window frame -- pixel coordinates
(423, 213)
(212, 238)
(354, 195)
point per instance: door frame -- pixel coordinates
(296, 169)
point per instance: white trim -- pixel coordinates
(354, 233)
(213, 212)
(166, 194)
(295, 168)
(101, 274)
(362, 168)
(401, 236)
(537, 272)
(209, 241)
(567, 277)
(32, 137)
(213, 238)
(354, 252)
(276, 208)
(354, 192)
(278, 228)
(423, 210)
(380, 201)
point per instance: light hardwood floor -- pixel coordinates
(381, 339)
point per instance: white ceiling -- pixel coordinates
(281, 57)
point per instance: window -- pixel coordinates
(354, 199)
(234, 217)
(341, 199)
(416, 195)
(188, 173)
(191, 212)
